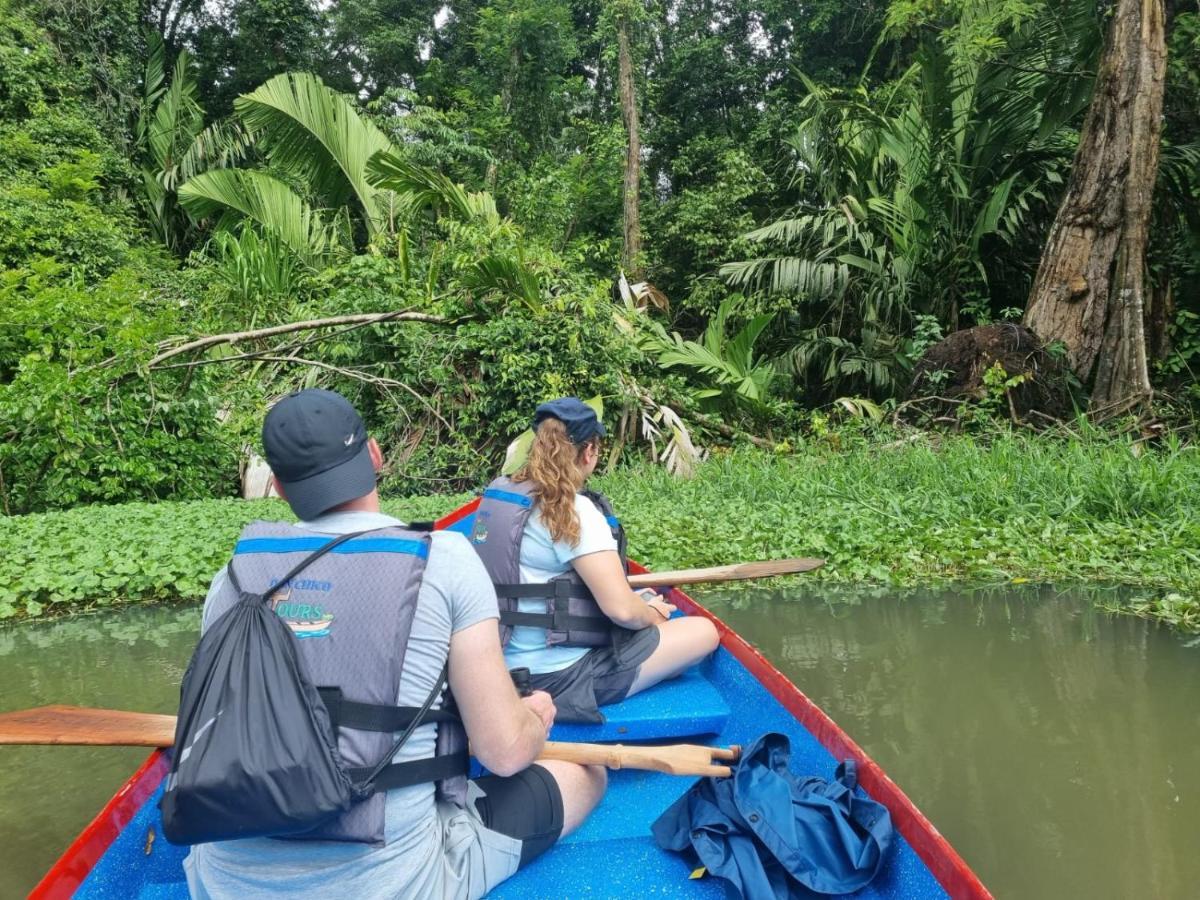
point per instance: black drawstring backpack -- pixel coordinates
(255, 749)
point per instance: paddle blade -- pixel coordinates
(767, 568)
(83, 725)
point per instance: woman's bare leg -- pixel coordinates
(681, 643)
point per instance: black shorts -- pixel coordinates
(602, 676)
(527, 806)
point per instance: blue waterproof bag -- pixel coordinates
(771, 833)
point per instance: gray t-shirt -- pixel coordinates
(430, 850)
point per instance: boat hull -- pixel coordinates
(731, 698)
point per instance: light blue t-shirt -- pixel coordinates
(543, 558)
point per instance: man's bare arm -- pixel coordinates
(506, 734)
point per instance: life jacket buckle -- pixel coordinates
(560, 605)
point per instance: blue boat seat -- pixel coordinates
(634, 799)
(682, 707)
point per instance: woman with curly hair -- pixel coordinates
(556, 554)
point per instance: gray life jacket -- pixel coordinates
(352, 612)
(572, 617)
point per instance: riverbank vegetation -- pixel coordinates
(737, 223)
(1011, 508)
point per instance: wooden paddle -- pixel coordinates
(115, 727)
(767, 568)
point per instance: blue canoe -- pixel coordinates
(732, 698)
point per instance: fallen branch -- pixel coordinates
(904, 441)
(729, 432)
(918, 401)
(358, 375)
(1103, 413)
(234, 337)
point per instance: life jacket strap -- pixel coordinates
(557, 621)
(417, 771)
(374, 716)
(557, 588)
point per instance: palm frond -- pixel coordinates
(426, 188)
(233, 195)
(726, 366)
(307, 128)
(679, 453)
(219, 146)
(508, 276)
(177, 116)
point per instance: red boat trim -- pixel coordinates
(950, 869)
(76, 863)
(458, 515)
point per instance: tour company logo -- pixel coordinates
(306, 620)
(480, 532)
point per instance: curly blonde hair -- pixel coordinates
(554, 467)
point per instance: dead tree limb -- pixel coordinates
(234, 337)
(358, 375)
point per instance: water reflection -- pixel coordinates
(1055, 745)
(132, 659)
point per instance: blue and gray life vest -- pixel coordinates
(572, 617)
(352, 611)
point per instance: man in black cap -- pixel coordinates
(454, 846)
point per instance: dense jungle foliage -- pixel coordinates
(825, 191)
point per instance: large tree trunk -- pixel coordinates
(1090, 289)
(633, 151)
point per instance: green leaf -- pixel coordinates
(246, 193)
(307, 128)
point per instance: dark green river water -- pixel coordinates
(1056, 747)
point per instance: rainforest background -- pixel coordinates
(741, 225)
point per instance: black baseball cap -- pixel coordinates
(316, 445)
(581, 420)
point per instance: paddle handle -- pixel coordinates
(737, 572)
(673, 759)
(59, 725)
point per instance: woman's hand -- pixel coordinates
(603, 574)
(655, 601)
(662, 607)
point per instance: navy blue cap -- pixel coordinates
(580, 419)
(316, 445)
